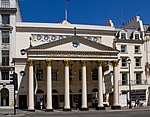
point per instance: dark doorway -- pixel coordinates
(55, 101)
(23, 101)
(111, 99)
(4, 97)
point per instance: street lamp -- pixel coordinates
(129, 62)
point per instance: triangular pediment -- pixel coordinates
(75, 43)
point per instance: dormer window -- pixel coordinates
(137, 36)
(123, 36)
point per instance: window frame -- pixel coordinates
(123, 35)
(94, 74)
(124, 62)
(5, 37)
(5, 3)
(5, 74)
(5, 19)
(138, 63)
(123, 50)
(138, 76)
(54, 75)
(5, 57)
(137, 50)
(124, 81)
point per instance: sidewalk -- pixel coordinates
(19, 112)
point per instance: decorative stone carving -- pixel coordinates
(48, 62)
(30, 62)
(66, 62)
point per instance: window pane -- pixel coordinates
(54, 74)
(124, 79)
(124, 62)
(137, 49)
(138, 62)
(5, 57)
(95, 74)
(5, 75)
(5, 4)
(39, 74)
(138, 78)
(137, 36)
(5, 36)
(5, 19)
(123, 36)
(123, 48)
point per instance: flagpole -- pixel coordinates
(66, 10)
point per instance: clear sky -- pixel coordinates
(95, 12)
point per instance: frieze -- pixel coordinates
(51, 38)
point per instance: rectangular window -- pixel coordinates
(39, 74)
(124, 79)
(54, 74)
(5, 18)
(137, 62)
(137, 49)
(5, 57)
(95, 74)
(138, 78)
(5, 74)
(137, 36)
(123, 48)
(5, 3)
(5, 36)
(123, 36)
(124, 62)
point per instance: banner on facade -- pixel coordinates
(108, 83)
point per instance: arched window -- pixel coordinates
(4, 97)
(5, 3)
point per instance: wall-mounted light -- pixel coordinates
(22, 73)
(23, 51)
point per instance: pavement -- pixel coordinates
(10, 112)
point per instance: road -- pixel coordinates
(92, 113)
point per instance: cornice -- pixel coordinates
(66, 30)
(11, 10)
(129, 41)
(6, 27)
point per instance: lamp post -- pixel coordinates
(129, 62)
(14, 87)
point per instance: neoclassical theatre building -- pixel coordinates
(61, 64)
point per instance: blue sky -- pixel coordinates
(95, 12)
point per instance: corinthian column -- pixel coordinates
(31, 86)
(49, 86)
(67, 97)
(84, 87)
(100, 86)
(115, 85)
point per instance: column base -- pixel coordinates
(100, 108)
(49, 110)
(84, 109)
(67, 109)
(116, 107)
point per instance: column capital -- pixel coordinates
(48, 62)
(66, 62)
(101, 63)
(115, 63)
(83, 62)
(30, 62)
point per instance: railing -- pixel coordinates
(133, 82)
